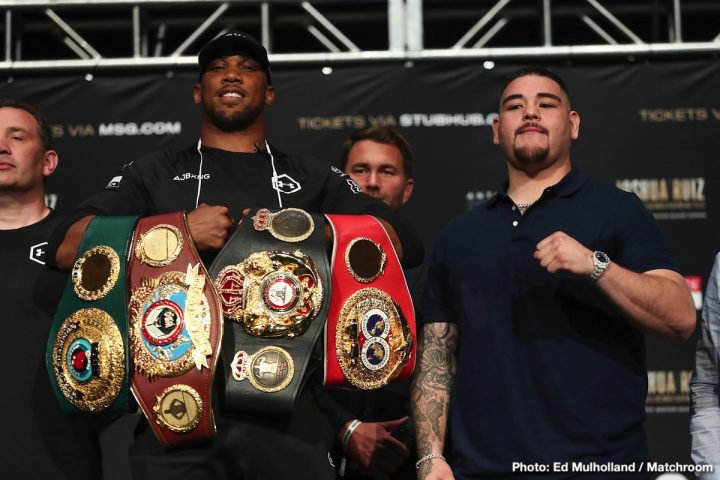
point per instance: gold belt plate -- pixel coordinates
(270, 369)
(272, 294)
(95, 273)
(89, 359)
(178, 408)
(373, 340)
(169, 324)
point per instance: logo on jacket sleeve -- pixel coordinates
(351, 183)
(353, 186)
(285, 184)
(114, 183)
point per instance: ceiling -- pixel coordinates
(40, 34)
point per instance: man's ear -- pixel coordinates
(50, 162)
(196, 94)
(574, 125)
(269, 95)
(495, 126)
(407, 193)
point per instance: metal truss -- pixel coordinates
(132, 34)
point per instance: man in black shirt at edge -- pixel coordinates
(231, 169)
(40, 440)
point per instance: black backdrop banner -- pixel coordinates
(650, 128)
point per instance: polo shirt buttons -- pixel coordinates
(515, 223)
(514, 208)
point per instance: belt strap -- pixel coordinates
(175, 331)
(87, 352)
(370, 332)
(273, 279)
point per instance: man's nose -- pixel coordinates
(233, 74)
(373, 179)
(531, 112)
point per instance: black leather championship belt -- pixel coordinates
(370, 332)
(175, 331)
(87, 352)
(273, 280)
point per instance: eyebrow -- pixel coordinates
(366, 164)
(516, 96)
(14, 129)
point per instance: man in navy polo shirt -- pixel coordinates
(532, 351)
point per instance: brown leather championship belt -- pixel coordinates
(175, 331)
(370, 332)
(273, 280)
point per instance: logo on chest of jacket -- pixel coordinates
(191, 176)
(37, 253)
(286, 184)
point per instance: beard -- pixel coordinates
(235, 122)
(531, 155)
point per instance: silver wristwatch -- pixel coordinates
(600, 263)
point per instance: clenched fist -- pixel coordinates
(209, 226)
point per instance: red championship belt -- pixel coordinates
(175, 331)
(370, 332)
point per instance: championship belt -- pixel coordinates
(370, 332)
(273, 280)
(175, 331)
(87, 352)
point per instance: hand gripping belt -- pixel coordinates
(87, 352)
(175, 331)
(273, 280)
(370, 332)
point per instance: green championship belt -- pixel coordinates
(87, 351)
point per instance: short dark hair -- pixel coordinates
(540, 72)
(44, 129)
(384, 135)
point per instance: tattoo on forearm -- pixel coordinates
(432, 386)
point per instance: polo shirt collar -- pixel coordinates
(569, 184)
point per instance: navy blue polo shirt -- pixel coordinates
(548, 370)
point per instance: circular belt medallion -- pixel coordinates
(162, 322)
(375, 323)
(365, 259)
(178, 408)
(89, 359)
(95, 273)
(159, 246)
(161, 342)
(272, 294)
(270, 369)
(375, 353)
(81, 360)
(288, 225)
(373, 340)
(281, 292)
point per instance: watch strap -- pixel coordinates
(599, 266)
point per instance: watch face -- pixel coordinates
(601, 257)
